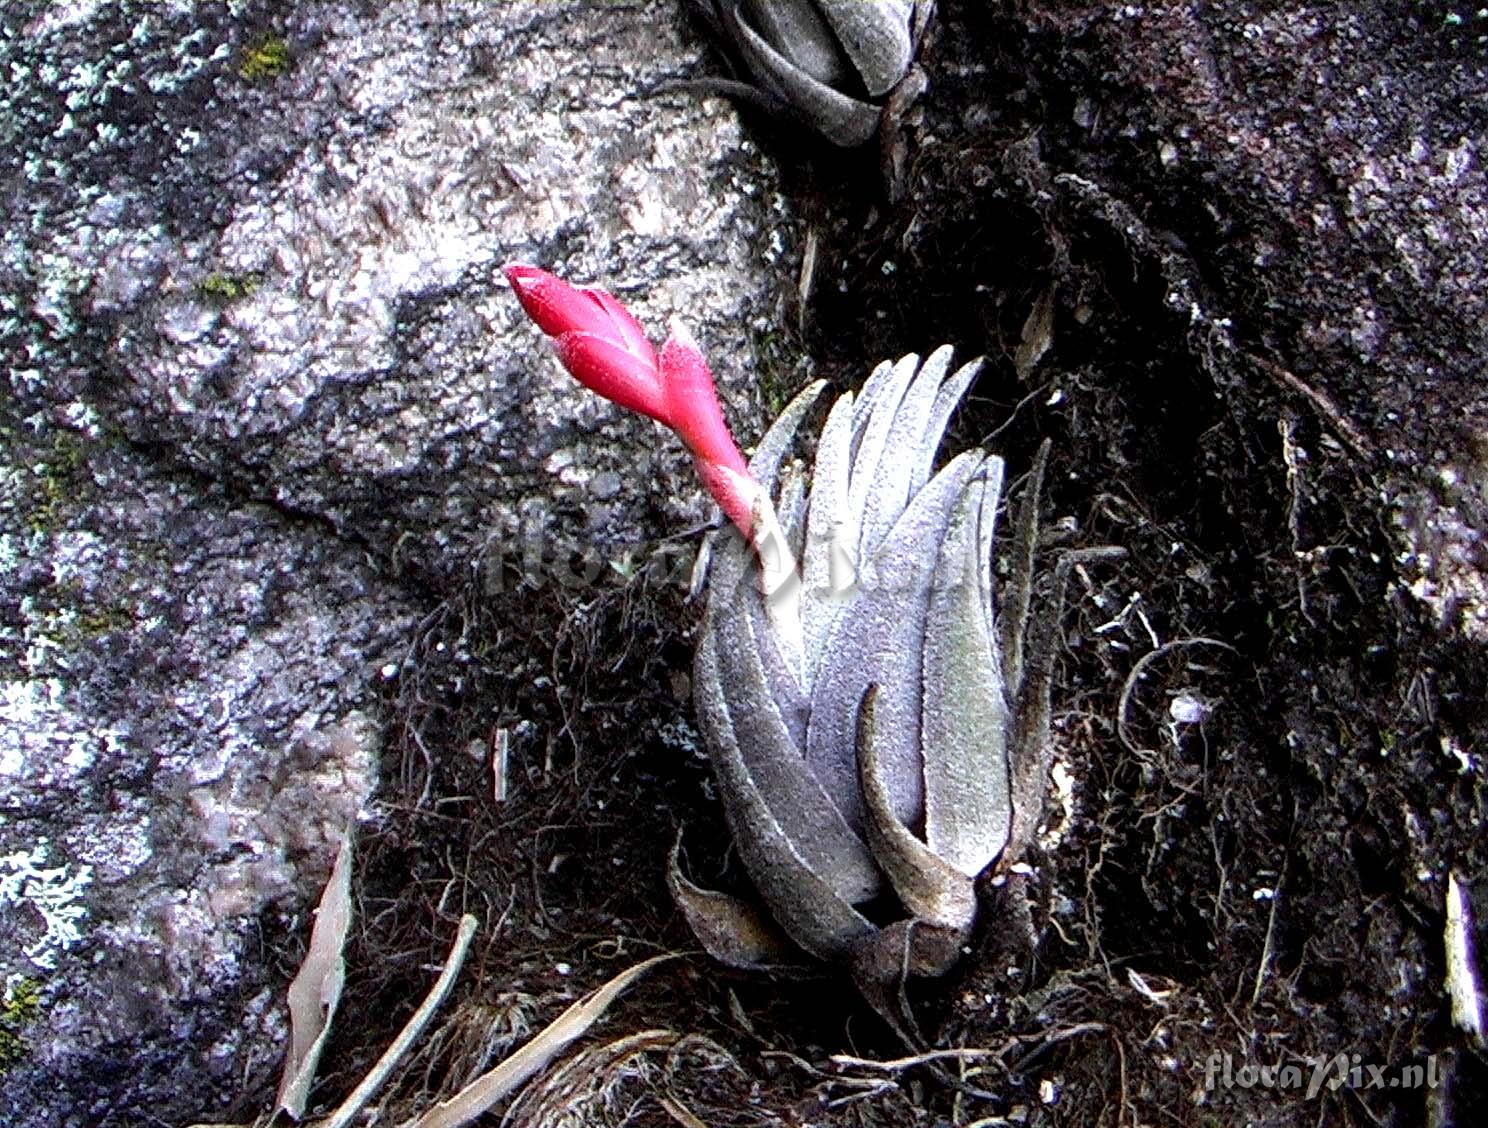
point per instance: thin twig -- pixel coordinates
(1268, 945)
(1345, 428)
(380, 1072)
(1292, 457)
(1013, 415)
(897, 1064)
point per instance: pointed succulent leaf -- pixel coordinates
(883, 409)
(1029, 753)
(869, 395)
(965, 718)
(947, 398)
(875, 35)
(840, 118)
(806, 906)
(791, 508)
(986, 567)
(927, 885)
(777, 440)
(836, 63)
(733, 931)
(767, 712)
(796, 30)
(893, 480)
(1013, 613)
(829, 558)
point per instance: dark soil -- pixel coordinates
(1264, 886)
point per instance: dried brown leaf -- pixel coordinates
(316, 989)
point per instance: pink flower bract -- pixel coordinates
(607, 351)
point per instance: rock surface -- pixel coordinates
(268, 401)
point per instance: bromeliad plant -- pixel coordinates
(864, 698)
(835, 64)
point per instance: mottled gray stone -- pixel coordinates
(186, 731)
(268, 398)
(379, 374)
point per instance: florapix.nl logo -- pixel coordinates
(1313, 1075)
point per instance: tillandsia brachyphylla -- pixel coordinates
(867, 705)
(836, 64)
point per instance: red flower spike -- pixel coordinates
(626, 326)
(736, 503)
(607, 351)
(596, 337)
(692, 402)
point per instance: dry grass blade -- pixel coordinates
(500, 1082)
(681, 1113)
(587, 1087)
(316, 989)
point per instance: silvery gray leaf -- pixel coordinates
(964, 720)
(878, 639)
(875, 34)
(801, 900)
